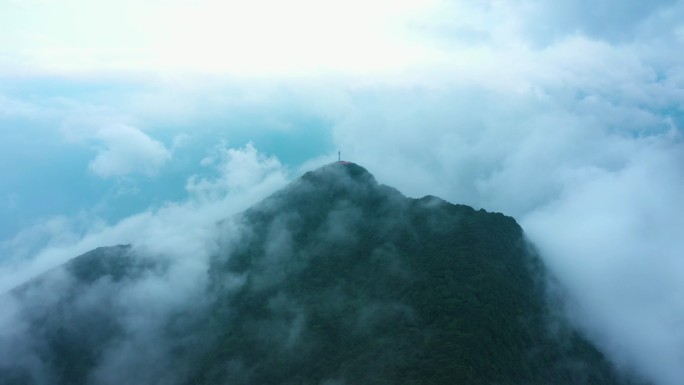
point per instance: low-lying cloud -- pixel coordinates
(615, 240)
(175, 229)
(127, 150)
(566, 115)
(601, 202)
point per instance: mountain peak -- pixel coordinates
(322, 188)
(339, 178)
(340, 171)
(333, 279)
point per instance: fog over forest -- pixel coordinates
(148, 124)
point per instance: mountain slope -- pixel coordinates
(333, 280)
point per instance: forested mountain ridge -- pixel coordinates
(335, 279)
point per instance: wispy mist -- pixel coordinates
(566, 115)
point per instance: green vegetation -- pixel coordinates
(346, 281)
(382, 289)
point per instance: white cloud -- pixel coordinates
(615, 238)
(242, 177)
(210, 36)
(595, 181)
(565, 114)
(239, 169)
(127, 150)
(611, 20)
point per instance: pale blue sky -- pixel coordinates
(118, 118)
(46, 166)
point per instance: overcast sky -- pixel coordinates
(119, 120)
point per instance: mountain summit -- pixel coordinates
(335, 279)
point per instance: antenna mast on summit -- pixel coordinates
(339, 156)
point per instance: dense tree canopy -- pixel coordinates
(340, 280)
